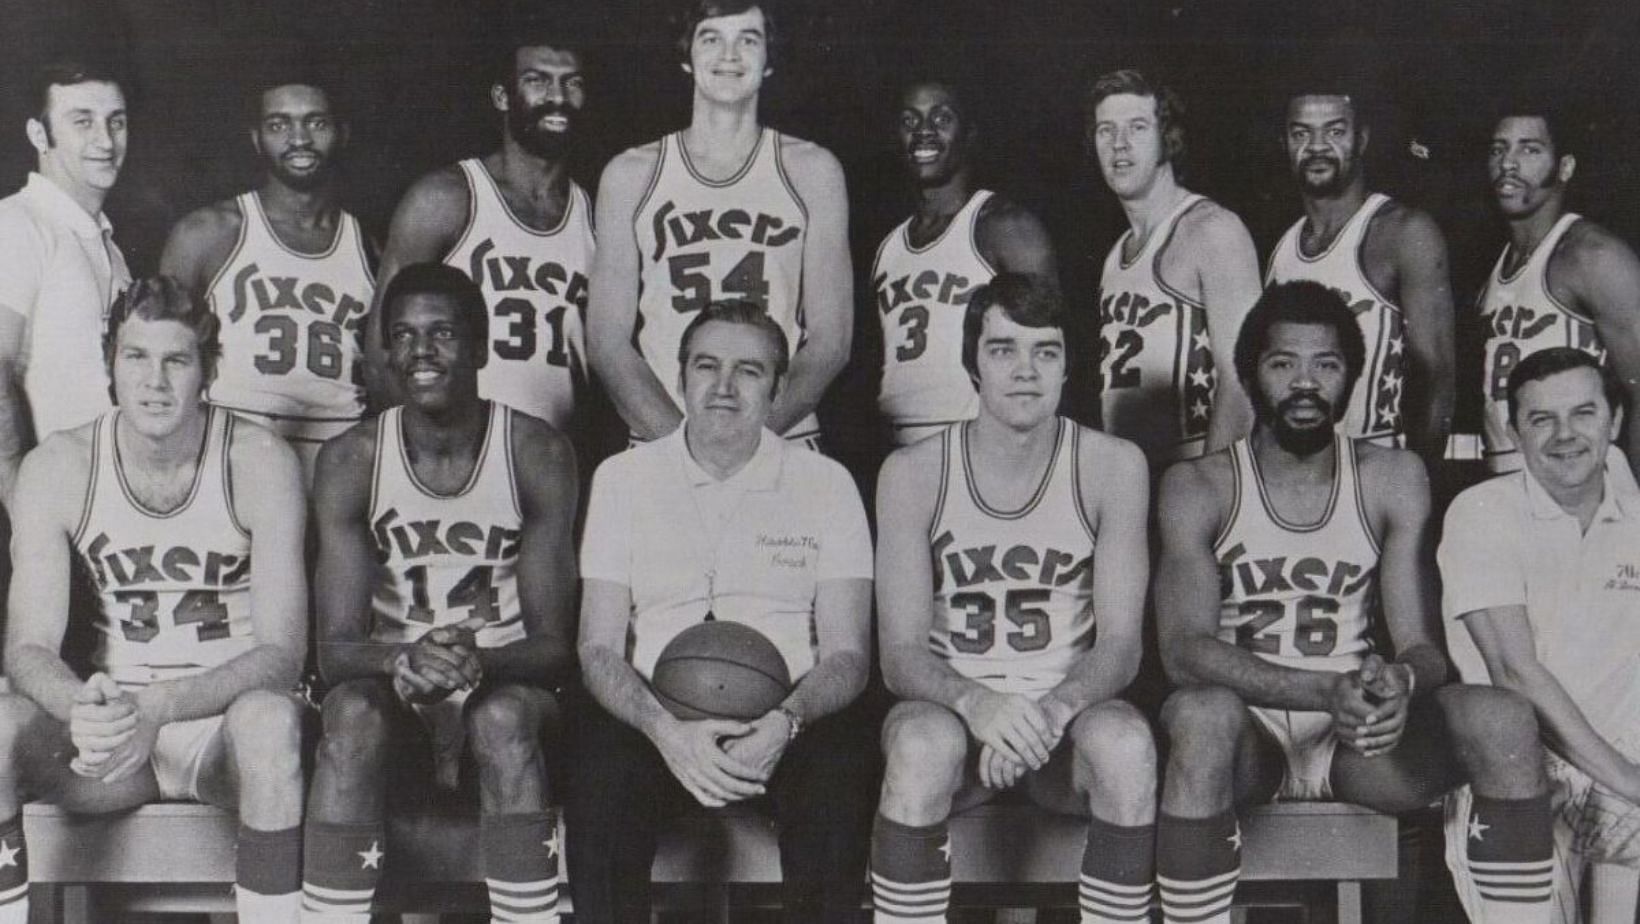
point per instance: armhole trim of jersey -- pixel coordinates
(90, 484)
(1549, 292)
(1161, 251)
(361, 247)
(649, 190)
(507, 454)
(376, 458)
(227, 473)
(785, 179)
(945, 481)
(238, 247)
(973, 231)
(1076, 484)
(1360, 253)
(1361, 501)
(472, 216)
(1237, 490)
(882, 245)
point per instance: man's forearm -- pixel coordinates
(1427, 424)
(14, 435)
(1257, 681)
(832, 684)
(542, 661)
(923, 675)
(341, 661)
(43, 676)
(639, 396)
(618, 688)
(810, 375)
(1099, 675)
(264, 667)
(1428, 667)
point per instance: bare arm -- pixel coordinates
(345, 571)
(1397, 483)
(612, 300)
(200, 245)
(1013, 240)
(548, 490)
(828, 286)
(1226, 274)
(1604, 277)
(1425, 295)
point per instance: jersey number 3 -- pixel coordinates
(1032, 629)
(202, 608)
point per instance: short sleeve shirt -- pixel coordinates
(61, 271)
(1508, 543)
(752, 548)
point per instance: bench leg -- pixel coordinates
(76, 904)
(1349, 902)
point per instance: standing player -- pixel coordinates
(1012, 572)
(1174, 287)
(1279, 557)
(289, 275)
(515, 222)
(444, 585)
(1561, 281)
(1388, 262)
(189, 522)
(956, 240)
(725, 209)
(1542, 568)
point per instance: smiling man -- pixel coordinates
(290, 275)
(724, 209)
(62, 269)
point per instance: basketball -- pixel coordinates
(720, 670)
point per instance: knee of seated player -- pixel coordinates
(503, 728)
(925, 746)
(1204, 719)
(1115, 754)
(1495, 730)
(357, 723)
(265, 729)
(17, 715)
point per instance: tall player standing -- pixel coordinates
(515, 222)
(1174, 288)
(1011, 571)
(1388, 261)
(190, 522)
(926, 268)
(288, 273)
(444, 589)
(1562, 280)
(725, 209)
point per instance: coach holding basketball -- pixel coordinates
(722, 519)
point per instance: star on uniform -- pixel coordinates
(945, 848)
(551, 844)
(1477, 831)
(1390, 416)
(1199, 340)
(1200, 378)
(1392, 382)
(1199, 409)
(8, 854)
(1394, 345)
(372, 858)
(1235, 839)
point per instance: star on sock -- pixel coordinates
(372, 858)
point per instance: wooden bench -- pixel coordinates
(180, 857)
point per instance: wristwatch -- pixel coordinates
(792, 719)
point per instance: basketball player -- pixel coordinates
(1562, 280)
(515, 222)
(1388, 262)
(956, 240)
(1280, 557)
(725, 209)
(723, 519)
(289, 274)
(444, 586)
(1012, 571)
(1174, 287)
(189, 522)
(1542, 568)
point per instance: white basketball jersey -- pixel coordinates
(1156, 377)
(173, 587)
(292, 337)
(701, 240)
(444, 558)
(922, 295)
(1521, 317)
(1303, 596)
(1374, 411)
(1013, 589)
(536, 285)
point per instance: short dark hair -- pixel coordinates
(294, 77)
(64, 72)
(1564, 131)
(562, 32)
(738, 311)
(1301, 302)
(1169, 108)
(1554, 360)
(1350, 79)
(438, 279)
(1022, 299)
(164, 298)
(694, 12)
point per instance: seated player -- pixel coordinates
(1281, 555)
(1541, 574)
(723, 519)
(445, 577)
(1011, 576)
(189, 522)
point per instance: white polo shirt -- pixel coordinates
(768, 534)
(1507, 543)
(59, 269)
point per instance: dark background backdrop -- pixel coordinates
(411, 74)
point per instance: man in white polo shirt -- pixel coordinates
(1542, 568)
(62, 268)
(721, 519)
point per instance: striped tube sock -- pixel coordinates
(13, 872)
(1118, 880)
(1511, 858)
(521, 857)
(268, 875)
(342, 864)
(910, 872)
(1198, 861)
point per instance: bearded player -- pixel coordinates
(189, 522)
(445, 578)
(1562, 280)
(927, 267)
(289, 274)
(725, 209)
(515, 222)
(1174, 288)
(1386, 259)
(1011, 564)
(1281, 555)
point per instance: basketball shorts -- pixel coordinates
(179, 754)
(1307, 741)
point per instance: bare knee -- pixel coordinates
(1204, 718)
(1115, 748)
(17, 713)
(265, 731)
(357, 722)
(503, 728)
(925, 746)
(1496, 734)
